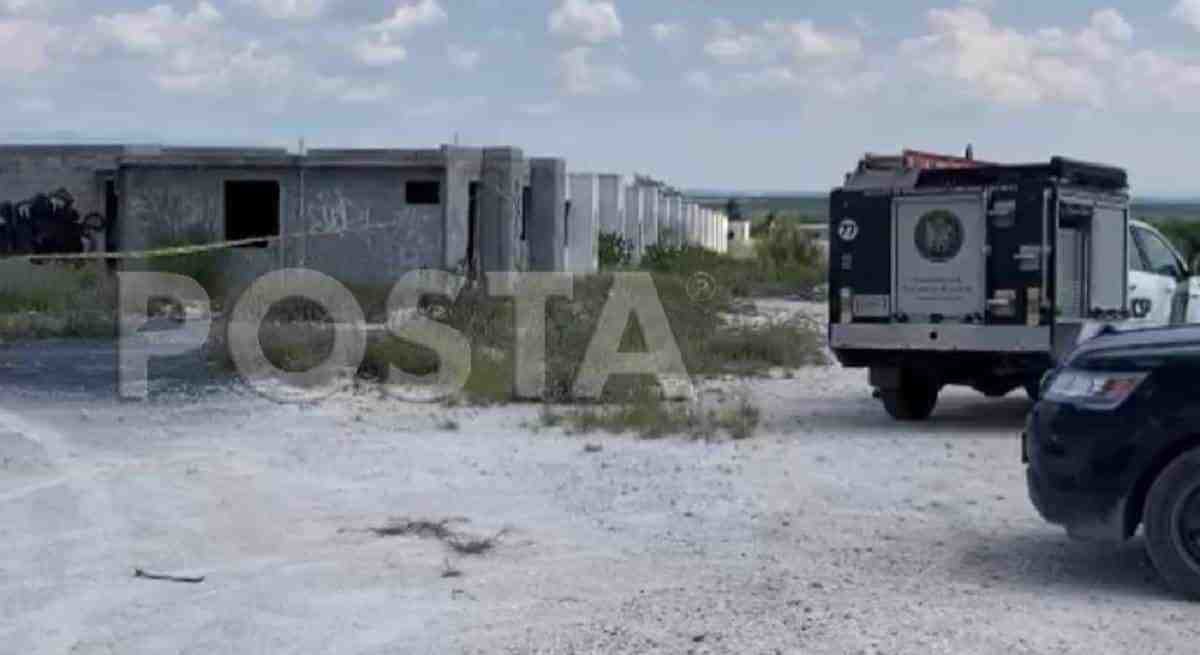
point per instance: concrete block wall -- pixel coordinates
(583, 224)
(612, 203)
(650, 216)
(678, 221)
(547, 229)
(635, 216)
(662, 236)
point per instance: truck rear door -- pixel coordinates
(940, 257)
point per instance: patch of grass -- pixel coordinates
(649, 417)
(708, 344)
(56, 300)
(751, 348)
(786, 261)
(740, 421)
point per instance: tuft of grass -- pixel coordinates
(448, 425)
(753, 348)
(649, 417)
(56, 300)
(786, 261)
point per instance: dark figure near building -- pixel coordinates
(48, 224)
(6, 228)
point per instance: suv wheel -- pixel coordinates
(914, 400)
(1172, 524)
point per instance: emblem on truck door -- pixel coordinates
(939, 236)
(848, 230)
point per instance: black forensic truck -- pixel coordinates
(947, 271)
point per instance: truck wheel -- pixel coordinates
(1034, 390)
(995, 388)
(1172, 524)
(913, 401)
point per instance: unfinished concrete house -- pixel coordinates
(360, 216)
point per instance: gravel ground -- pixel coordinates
(833, 531)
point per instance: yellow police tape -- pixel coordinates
(141, 254)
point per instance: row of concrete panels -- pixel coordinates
(644, 212)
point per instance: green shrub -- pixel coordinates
(1184, 234)
(615, 251)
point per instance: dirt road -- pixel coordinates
(833, 531)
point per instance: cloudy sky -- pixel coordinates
(754, 94)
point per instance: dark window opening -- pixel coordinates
(423, 193)
(251, 211)
(111, 209)
(472, 228)
(567, 224)
(526, 208)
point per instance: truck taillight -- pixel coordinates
(846, 311)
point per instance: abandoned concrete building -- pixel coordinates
(362, 216)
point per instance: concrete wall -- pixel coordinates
(547, 220)
(662, 237)
(504, 177)
(612, 203)
(463, 167)
(583, 224)
(635, 216)
(650, 216)
(351, 223)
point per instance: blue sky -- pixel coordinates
(755, 94)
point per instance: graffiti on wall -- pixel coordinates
(49, 223)
(169, 217)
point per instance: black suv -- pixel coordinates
(1115, 443)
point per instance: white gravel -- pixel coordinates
(833, 531)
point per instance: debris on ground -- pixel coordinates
(463, 544)
(162, 577)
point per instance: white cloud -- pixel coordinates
(158, 29)
(378, 51)
(1188, 13)
(289, 9)
(462, 57)
(409, 16)
(793, 56)
(666, 32)
(765, 43)
(578, 75)
(589, 21)
(1149, 80)
(1111, 24)
(28, 8)
(26, 45)
(1020, 69)
(805, 41)
(209, 72)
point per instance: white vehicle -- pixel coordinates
(1162, 290)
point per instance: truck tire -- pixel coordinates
(914, 400)
(1034, 390)
(995, 388)
(1172, 524)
